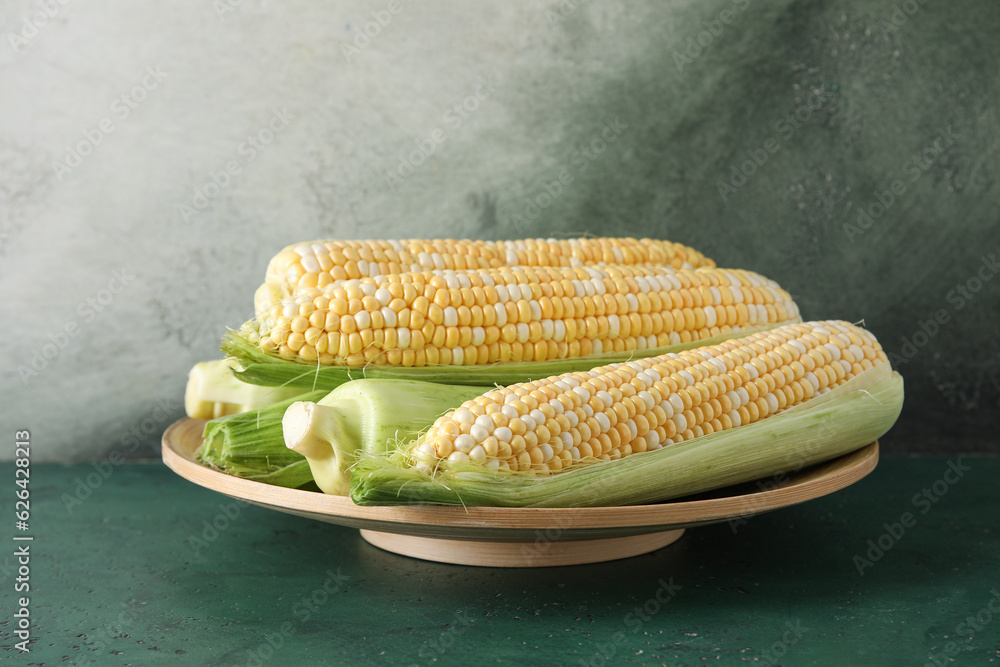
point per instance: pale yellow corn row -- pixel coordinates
(517, 314)
(625, 408)
(319, 263)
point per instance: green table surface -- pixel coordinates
(132, 575)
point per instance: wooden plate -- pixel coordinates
(520, 537)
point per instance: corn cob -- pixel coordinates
(510, 314)
(849, 416)
(213, 391)
(614, 411)
(364, 416)
(320, 263)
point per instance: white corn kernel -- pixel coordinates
(478, 455)
(478, 433)
(464, 443)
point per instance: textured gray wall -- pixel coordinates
(114, 261)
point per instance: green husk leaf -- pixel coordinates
(265, 368)
(842, 420)
(250, 445)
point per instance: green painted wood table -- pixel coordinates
(132, 565)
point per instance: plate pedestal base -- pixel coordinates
(550, 535)
(540, 553)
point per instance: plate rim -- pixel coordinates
(812, 482)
